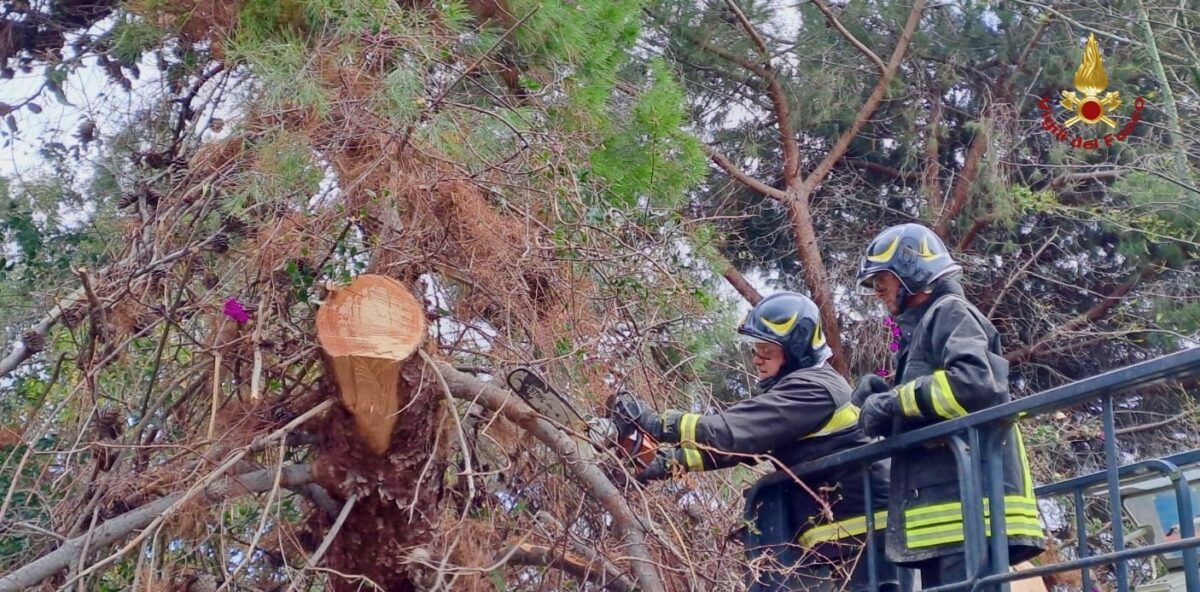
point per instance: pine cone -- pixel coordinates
(73, 316)
(108, 424)
(127, 199)
(34, 341)
(219, 243)
(233, 225)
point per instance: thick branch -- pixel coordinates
(22, 352)
(799, 215)
(740, 283)
(117, 528)
(594, 569)
(829, 16)
(633, 533)
(787, 138)
(754, 36)
(744, 178)
(962, 186)
(1092, 315)
(976, 227)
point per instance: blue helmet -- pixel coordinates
(793, 322)
(912, 253)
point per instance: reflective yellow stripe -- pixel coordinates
(841, 529)
(1023, 461)
(845, 416)
(1014, 506)
(687, 440)
(1011, 501)
(944, 402)
(886, 255)
(908, 399)
(953, 533)
(687, 429)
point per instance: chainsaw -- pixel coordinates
(590, 432)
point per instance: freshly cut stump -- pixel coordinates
(368, 329)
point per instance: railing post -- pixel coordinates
(972, 505)
(1081, 534)
(995, 472)
(1114, 491)
(869, 502)
(1187, 529)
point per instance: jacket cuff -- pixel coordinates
(670, 427)
(930, 397)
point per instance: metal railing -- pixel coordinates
(990, 571)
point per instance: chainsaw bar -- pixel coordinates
(545, 399)
(597, 431)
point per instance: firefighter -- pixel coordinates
(803, 413)
(948, 364)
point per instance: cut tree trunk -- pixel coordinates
(368, 329)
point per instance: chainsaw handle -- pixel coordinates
(641, 448)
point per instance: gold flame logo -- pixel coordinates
(1090, 80)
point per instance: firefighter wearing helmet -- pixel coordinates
(803, 412)
(949, 364)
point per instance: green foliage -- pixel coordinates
(132, 36)
(651, 157)
(281, 66)
(591, 37)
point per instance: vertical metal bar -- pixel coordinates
(1187, 529)
(869, 503)
(995, 473)
(1114, 492)
(980, 566)
(1081, 534)
(972, 509)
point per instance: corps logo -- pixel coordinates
(1089, 104)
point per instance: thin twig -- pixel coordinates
(462, 440)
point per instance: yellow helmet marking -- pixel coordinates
(818, 338)
(887, 254)
(925, 253)
(780, 329)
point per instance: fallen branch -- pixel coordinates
(594, 569)
(589, 476)
(117, 528)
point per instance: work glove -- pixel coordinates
(878, 413)
(867, 386)
(630, 414)
(666, 465)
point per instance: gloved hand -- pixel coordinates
(867, 386)
(666, 465)
(877, 414)
(630, 414)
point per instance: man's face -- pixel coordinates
(767, 359)
(887, 290)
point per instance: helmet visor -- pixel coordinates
(866, 285)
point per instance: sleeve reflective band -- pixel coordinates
(841, 529)
(846, 416)
(944, 403)
(687, 440)
(908, 399)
